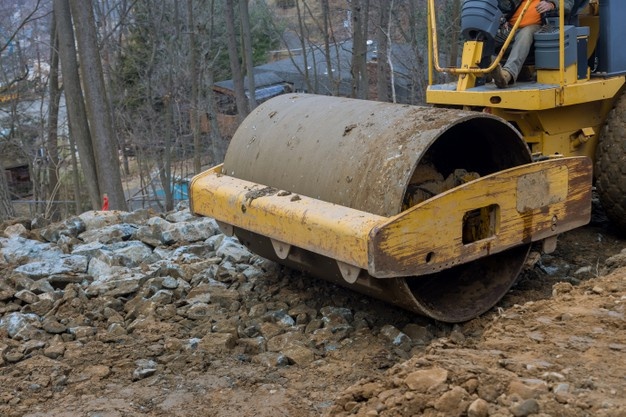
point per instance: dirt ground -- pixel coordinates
(554, 346)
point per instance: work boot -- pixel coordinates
(501, 77)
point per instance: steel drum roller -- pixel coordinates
(364, 155)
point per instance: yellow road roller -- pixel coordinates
(432, 209)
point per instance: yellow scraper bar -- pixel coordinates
(491, 214)
(328, 229)
(486, 216)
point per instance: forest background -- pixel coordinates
(119, 97)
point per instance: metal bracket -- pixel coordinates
(349, 273)
(226, 228)
(282, 249)
(549, 244)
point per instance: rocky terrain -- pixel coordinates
(114, 314)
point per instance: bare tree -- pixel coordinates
(79, 127)
(360, 14)
(235, 65)
(98, 112)
(247, 52)
(54, 93)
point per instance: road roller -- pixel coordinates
(431, 208)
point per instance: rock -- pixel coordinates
(109, 234)
(230, 249)
(453, 403)
(198, 311)
(418, 334)
(169, 282)
(271, 359)
(63, 264)
(12, 355)
(82, 332)
(55, 349)
(396, 337)
(62, 280)
(299, 355)
(223, 296)
(133, 253)
(97, 219)
(162, 297)
(51, 325)
(40, 308)
(99, 371)
(116, 330)
(253, 345)
(16, 230)
(478, 408)
(41, 286)
(71, 227)
(21, 326)
(26, 296)
(283, 341)
(6, 295)
(216, 343)
(145, 368)
(18, 250)
(32, 345)
(525, 408)
(181, 216)
(426, 380)
(528, 388)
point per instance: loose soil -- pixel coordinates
(554, 346)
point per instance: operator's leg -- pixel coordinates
(519, 50)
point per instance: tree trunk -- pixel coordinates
(382, 41)
(359, 48)
(6, 208)
(328, 39)
(53, 122)
(235, 65)
(98, 112)
(247, 49)
(74, 100)
(194, 113)
(455, 34)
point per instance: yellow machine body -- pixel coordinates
(558, 115)
(322, 184)
(432, 209)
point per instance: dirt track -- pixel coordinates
(283, 344)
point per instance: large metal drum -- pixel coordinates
(365, 155)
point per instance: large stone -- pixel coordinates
(134, 253)
(525, 408)
(41, 307)
(55, 348)
(71, 227)
(299, 355)
(426, 380)
(61, 265)
(453, 403)
(16, 230)
(21, 326)
(97, 219)
(478, 408)
(253, 345)
(18, 250)
(216, 343)
(26, 296)
(230, 249)
(396, 337)
(109, 234)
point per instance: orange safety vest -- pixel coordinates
(532, 16)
